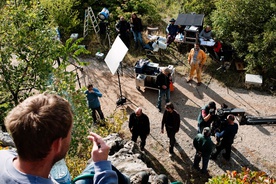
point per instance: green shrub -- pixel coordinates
(80, 148)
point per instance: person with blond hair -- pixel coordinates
(206, 34)
(163, 83)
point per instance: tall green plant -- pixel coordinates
(64, 15)
(27, 51)
(249, 25)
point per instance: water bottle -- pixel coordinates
(60, 172)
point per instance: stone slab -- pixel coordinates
(253, 79)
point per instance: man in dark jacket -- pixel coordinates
(123, 28)
(171, 121)
(206, 116)
(139, 125)
(137, 28)
(227, 138)
(172, 31)
(163, 84)
(204, 146)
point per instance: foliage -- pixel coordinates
(27, 51)
(64, 15)
(145, 9)
(246, 176)
(249, 26)
(200, 7)
(80, 148)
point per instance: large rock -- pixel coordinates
(127, 158)
(124, 155)
(6, 139)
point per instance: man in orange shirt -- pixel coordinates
(196, 59)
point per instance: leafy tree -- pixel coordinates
(200, 7)
(27, 51)
(249, 25)
(64, 14)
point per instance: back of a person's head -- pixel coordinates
(161, 179)
(169, 105)
(36, 122)
(231, 117)
(206, 132)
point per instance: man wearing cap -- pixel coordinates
(172, 31)
(206, 116)
(204, 146)
(227, 137)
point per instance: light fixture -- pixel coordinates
(104, 14)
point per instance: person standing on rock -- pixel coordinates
(171, 121)
(204, 146)
(139, 125)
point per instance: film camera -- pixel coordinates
(220, 120)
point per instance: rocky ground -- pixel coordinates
(254, 147)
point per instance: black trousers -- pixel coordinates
(99, 110)
(171, 135)
(142, 137)
(223, 145)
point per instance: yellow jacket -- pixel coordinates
(201, 57)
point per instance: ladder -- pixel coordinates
(90, 16)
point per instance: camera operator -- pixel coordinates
(206, 116)
(227, 138)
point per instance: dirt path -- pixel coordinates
(254, 146)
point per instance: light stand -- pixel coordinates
(121, 99)
(113, 60)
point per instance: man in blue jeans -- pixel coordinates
(163, 83)
(204, 146)
(137, 28)
(92, 95)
